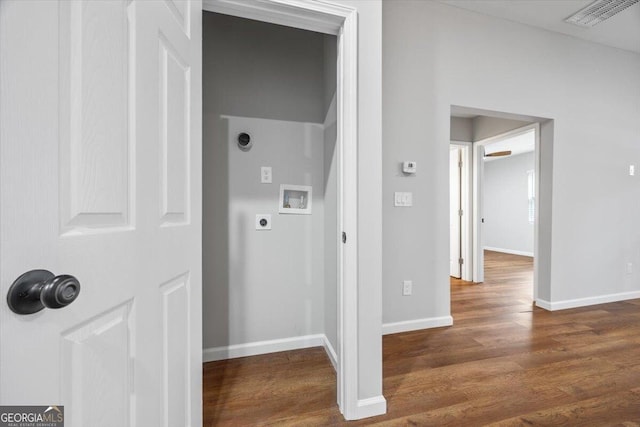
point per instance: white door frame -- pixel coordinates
(342, 22)
(478, 184)
(466, 223)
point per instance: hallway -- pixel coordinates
(504, 361)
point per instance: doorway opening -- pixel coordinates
(271, 201)
(506, 208)
(508, 237)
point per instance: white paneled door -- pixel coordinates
(454, 212)
(100, 178)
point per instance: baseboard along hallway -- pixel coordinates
(503, 361)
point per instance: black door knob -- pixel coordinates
(38, 289)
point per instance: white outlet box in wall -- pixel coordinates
(407, 287)
(263, 222)
(266, 175)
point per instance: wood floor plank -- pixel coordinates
(505, 362)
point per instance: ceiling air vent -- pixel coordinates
(599, 11)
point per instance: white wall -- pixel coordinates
(436, 56)
(506, 205)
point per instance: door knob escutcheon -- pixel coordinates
(37, 289)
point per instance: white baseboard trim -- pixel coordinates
(417, 324)
(543, 304)
(509, 251)
(262, 347)
(371, 407)
(583, 302)
(331, 352)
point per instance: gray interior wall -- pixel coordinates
(331, 232)
(486, 127)
(461, 129)
(330, 172)
(436, 56)
(506, 204)
(545, 208)
(270, 71)
(330, 73)
(276, 277)
(268, 80)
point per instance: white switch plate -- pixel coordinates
(407, 287)
(629, 268)
(403, 199)
(266, 176)
(632, 170)
(267, 222)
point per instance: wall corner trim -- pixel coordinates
(583, 302)
(417, 324)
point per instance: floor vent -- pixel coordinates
(599, 11)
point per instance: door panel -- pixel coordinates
(100, 177)
(99, 352)
(95, 113)
(174, 98)
(454, 209)
(176, 301)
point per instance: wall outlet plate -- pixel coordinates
(263, 222)
(407, 287)
(266, 175)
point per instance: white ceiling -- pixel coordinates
(621, 30)
(518, 144)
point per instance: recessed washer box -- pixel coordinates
(295, 199)
(263, 222)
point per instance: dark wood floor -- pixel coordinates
(503, 363)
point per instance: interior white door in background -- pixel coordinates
(101, 178)
(478, 212)
(454, 213)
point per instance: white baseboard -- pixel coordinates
(509, 251)
(331, 352)
(543, 304)
(583, 302)
(371, 407)
(414, 325)
(262, 347)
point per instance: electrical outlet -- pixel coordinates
(629, 268)
(407, 287)
(266, 176)
(263, 222)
